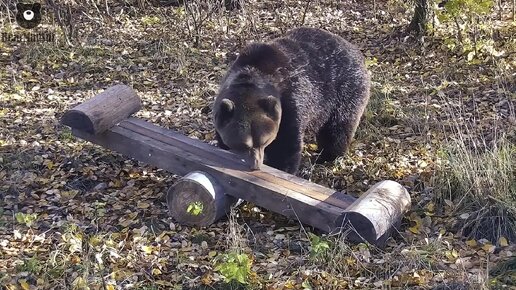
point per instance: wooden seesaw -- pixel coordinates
(214, 179)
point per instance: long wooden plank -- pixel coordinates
(239, 183)
(219, 156)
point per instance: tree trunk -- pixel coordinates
(421, 17)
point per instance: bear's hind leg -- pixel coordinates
(334, 138)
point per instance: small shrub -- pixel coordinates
(234, 267)
(320, 246)
(195, 208)
(25, 218)
(32, 265)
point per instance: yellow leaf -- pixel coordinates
(49, 164)
(156, 272)
(11, 287)
(454, 253)
(471, 243)
(503, 242)
(312, 147)
(471, 55)
(143, 205)
(67, 195)
(110, 287)
(450, 256)
(289, 285)
(116, 183)
(147, 249)
(206, 279)
(212, 254)
(415, 228)
(24, 284)
(430, 207)
(488, 248)
(79, 283)
(75, 259)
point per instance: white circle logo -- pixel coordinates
(28, 15)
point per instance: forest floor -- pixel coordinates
(76, 216)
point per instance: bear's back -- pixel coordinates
(320, 54)
(326, 72)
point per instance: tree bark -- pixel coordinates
(421, 17)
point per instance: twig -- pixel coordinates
(304, 11)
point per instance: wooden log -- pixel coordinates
(198, 199)
(228, 158)
(373, 215)
(104, 110)
(270, 188)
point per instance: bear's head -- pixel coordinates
(28, 15)
(247, 115)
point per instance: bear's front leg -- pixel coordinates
(285, 156)
(220, 143)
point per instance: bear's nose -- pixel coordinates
(28, 15)
(255, 158)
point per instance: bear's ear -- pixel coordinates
(36, 7)
(227, 106)
(271, 105)
(19, 7)
(225, 112)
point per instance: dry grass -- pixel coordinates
(477, 177)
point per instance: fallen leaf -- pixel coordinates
(24, 284)
(471, 243)
(503, 242)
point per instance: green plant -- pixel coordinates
(195, 208)
(234, 267)
(25, 218)
(31, 265)
(470, 27)
(320, 246)
(66, 135)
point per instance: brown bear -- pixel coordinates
(309, 81)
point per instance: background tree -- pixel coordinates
(420, 18)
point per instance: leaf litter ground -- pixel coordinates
(75, 215)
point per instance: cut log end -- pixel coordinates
(78, 120)
(198, 200)
(103, 111)
(376, 212)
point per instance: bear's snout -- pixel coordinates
(255, 158)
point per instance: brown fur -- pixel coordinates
(313, 81)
